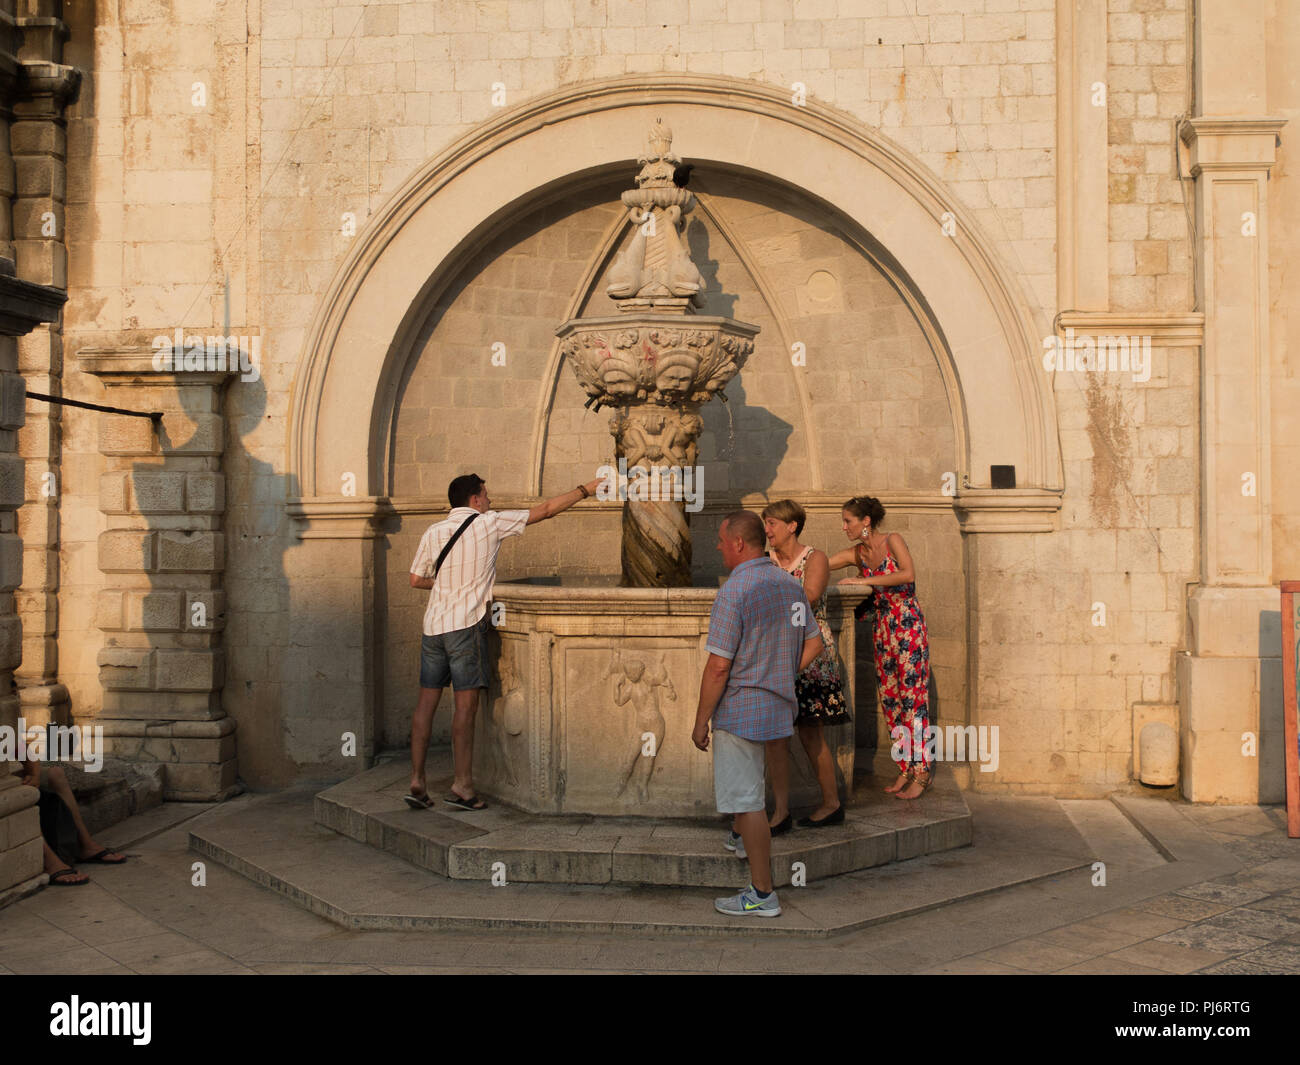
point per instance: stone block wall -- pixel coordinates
(1148, 87)
(161, 606)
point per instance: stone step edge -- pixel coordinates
(338, 817)
(433, 923)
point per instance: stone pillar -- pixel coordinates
(162, 554)
(1083, 230)
(332, 670)
(39, 142)
(1234, 643)
(22, 306)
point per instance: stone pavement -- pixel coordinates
(1188, 889)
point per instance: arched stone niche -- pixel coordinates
(345, 388)
(350, 372)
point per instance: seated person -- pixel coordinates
(54, 781)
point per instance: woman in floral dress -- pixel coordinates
(902, 643)
(820, 687)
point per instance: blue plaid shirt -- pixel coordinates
(760, 621)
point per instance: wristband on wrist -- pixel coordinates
(583, 489)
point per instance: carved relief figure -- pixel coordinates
(638, 686)
(506, 715)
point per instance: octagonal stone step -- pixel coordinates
(528, 848)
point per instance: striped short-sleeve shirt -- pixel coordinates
(760, 620)
(458, 598)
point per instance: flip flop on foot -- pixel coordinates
(418, 802)
(465, 804)
(68, 878)
(106, 857)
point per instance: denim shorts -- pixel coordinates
(458, 658)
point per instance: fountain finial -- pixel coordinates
(655, 270)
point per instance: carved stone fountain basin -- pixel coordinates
(594, 703)
(660, 358)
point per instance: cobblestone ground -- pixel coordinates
(146, 917)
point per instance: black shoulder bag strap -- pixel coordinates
(450, 543)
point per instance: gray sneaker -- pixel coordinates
(735, 842)
(748, 904)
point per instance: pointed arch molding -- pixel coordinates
(346, 380)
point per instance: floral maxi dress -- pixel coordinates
(902, 646)
(820, 687)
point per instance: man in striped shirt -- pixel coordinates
(762, 634)
(456, 621)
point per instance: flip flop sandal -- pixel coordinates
(473, 804)
(60, 879)
(105, 861)
(419, 802)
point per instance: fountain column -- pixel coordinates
(656, 363)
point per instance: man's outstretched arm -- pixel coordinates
(558, 504)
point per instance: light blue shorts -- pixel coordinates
(738, 766)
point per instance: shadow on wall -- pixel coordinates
(729, 473)
(715, 301)
(215, 613)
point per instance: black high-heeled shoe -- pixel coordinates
(835, 818)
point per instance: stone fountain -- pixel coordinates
(594, 689)
(594, 699)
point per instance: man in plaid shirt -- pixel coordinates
(762, 634)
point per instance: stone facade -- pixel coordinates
(919, 197)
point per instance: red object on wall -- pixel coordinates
(1290, 695)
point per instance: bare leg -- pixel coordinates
(421, 730)
(462, 742)
(819, 755)
(644, 768)
(58, 782)
(631, 768)
(758, 845)
(778, 768)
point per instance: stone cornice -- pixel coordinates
(1225, 143)
(52, 86)
(126, 366)
(1165, 330)
(1008, 510)
(24, 305)
(977, 509)
(823, 502)
(339, 517)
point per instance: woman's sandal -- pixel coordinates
(904, 779)
(923, 777)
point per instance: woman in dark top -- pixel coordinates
(819, 688)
